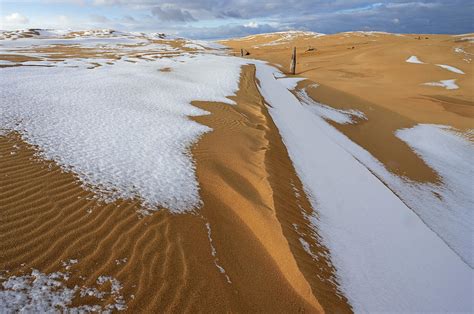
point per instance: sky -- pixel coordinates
(215, 19)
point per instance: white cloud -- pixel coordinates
(252, 25)
(16, 18)
(412, 5)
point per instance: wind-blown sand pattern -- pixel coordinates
(171, 186)
(166, 259)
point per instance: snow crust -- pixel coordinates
(386, 258)
(123, 129)
(414, 59)
(450, 68)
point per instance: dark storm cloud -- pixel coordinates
(440, 16)
(172, 14)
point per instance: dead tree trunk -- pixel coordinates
(293, 62)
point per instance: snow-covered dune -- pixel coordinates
(114, 109)
(387, 259)
(123, 129)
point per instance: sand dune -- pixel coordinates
(243, 247)
(251, 242)
(163, 261)
(368, 72)
(371, 87)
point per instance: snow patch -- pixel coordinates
(337, 115)
(123, 129)
(414, 59)
(450, 68)
(48, 293)
(450, 155)
(448, 84)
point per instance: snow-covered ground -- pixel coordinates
(120, 143)
(84, 42)
(387, 259)
(444, 207)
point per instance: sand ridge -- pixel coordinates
(261, 188)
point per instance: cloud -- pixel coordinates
(251, 25)
(209, 18)
(227, 31)
(99, 19)
(16, 18)
(128, 19)
(172, 14)
(435, 16)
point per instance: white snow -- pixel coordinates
(122, 129)
(193, 46)
(206, 44)
(467, 56)
(414, 59)
(386, 257)
(287, 36)
(450, 155)
(284, 36)
(448, 84)
(337, 115)
(48, 293)
(37, 292)
(89, 42)
(214, 253)
(450, 68)
(306, 246)
(291, 82)
(369, 33)
(438, 205)
(468, 39)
